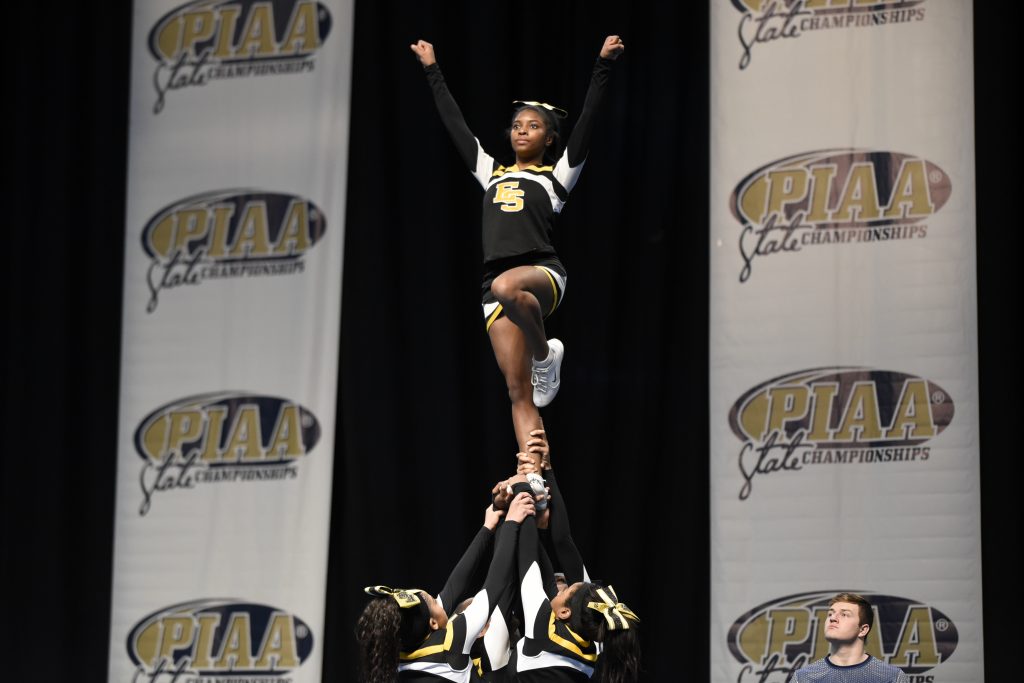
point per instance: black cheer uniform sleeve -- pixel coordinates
(579, 140)
(549, 650)
(567, 556)
(451, 116)
(498, 581)
(535, 581)
(492, 652)
(460, 584)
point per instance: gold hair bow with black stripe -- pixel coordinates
(615, 613)
(405, 597)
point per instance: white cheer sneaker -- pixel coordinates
(546, 375)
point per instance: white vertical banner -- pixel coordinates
(232, 302)
(843, 362)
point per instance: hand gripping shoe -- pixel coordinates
(537, 485)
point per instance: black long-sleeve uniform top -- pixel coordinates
(549, 649)
(493, 658)
(444, 654)
(468, 573)
(520, 205)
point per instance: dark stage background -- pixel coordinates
(423, 424)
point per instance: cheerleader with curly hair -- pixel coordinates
(406, 634)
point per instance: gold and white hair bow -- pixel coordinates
(405, 597)
(615, 613)
(560, 113)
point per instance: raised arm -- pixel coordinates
(566, 556)
(499, 575)
(460, 584)
(535, 599)
(465, 143)
(579, 140)
(497, 639)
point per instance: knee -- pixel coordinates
(505, 290)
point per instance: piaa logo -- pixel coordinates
(216, 640)
(228, 234)
(206, 40)
(222, 437)
(836, 417)
(765, 21)
(775, 639)
(836, 196)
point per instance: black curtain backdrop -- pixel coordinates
(423, 424)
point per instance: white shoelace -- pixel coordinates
(539, 378)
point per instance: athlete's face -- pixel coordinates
(438, 619)
(560, 603)
(842, 625)
(529, 135)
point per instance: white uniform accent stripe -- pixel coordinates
(559, 280)
(484, 166)
(545, 659)
(441, 669)
(567, 175)
(496, 640)
(533, 595)
(476, 618)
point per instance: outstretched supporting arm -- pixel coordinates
(566, 556)
(499, 576)
(461, 581)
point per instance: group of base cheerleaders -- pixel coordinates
(519, 605)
